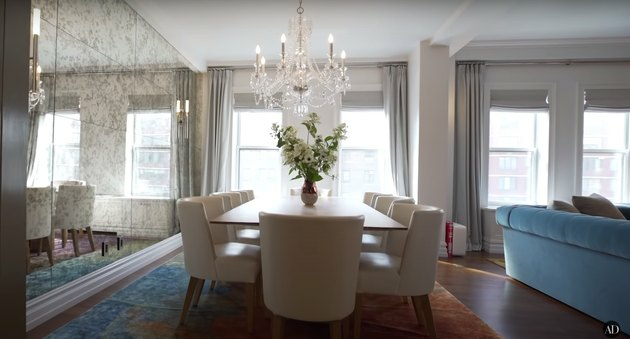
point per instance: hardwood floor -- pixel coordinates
(509, 307)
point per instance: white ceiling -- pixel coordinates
(225, 32)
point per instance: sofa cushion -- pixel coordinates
(559, 205)
(597, 205)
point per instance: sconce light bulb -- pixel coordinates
(36, 21)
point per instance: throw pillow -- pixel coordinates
(597, 205)
(559, 205)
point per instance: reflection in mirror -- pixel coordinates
(106, 126)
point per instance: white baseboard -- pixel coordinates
(45, 307)
(493, 247)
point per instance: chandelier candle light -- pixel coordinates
(299, 79)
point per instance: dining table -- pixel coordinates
(247, 213)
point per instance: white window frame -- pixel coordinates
(537, 154)
(383, 160)
(237, 147)
(625, 156)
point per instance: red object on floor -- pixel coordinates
(449, 238)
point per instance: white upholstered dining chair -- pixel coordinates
(38, 220)
(309, 268)
(408, 265)
(384, 203)
(74, 211)
(204, 259)
(240, 233)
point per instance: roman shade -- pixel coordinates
(519, 99)
(368, 99)
(610, 98)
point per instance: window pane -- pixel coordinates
(153, 129)
(605, 130)
(67, 128)
(66, 146)
(260, 170)
(510, 177)
(255, 127)
(366, 129)
(361, 171)
(512, 129)
(602, 173)
(151, 173)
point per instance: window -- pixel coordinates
(256, 158)
(605, 167)
(149, 138)
(59, 160)
(517, 157)
(364, 155)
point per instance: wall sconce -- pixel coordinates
(182, 119)
(36, 92)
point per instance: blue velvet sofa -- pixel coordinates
(581, 260)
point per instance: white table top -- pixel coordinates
(247, 213)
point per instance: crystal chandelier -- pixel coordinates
(299, 80)
(36, 92)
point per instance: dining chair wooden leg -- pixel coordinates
(422, 303)
(250, 299)
(346, 326)
(90, 237)
(39, 246)
(28, 258)
(356, 322)
(189, 294)
(49, 247)
(64, 237)
(277, 327)
(198, 290)
(213, 284)
(335, 329)
(75, 242)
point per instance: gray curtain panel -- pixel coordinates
(217, 143)
(468, 157)
(395, 105)
(184, 155)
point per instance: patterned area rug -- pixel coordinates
(150, 308)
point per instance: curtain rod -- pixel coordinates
(349, 65)
(543, 61)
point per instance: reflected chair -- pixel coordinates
(38, 220)
(203, 259)
(74, 210)
(408, 266)
(309, 268)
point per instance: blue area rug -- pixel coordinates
(150, 308)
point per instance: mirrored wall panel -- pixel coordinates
(101, 159)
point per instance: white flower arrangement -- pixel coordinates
(309, 160)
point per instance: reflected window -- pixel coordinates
(57, 153)
(149, 134)
(256, 157)
(605, 163)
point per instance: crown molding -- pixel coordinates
(549, 42)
